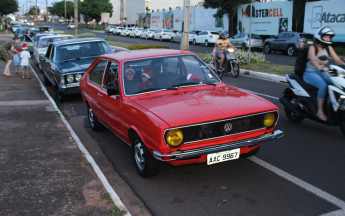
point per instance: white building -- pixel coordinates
(131, 8)
(160, 4)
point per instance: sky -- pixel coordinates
(41, 4)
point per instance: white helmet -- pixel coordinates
(322, 32)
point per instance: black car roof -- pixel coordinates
(58, 43)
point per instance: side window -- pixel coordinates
(281, 35)
(48, 52)
(96, 75)
(236, 36)
(52, 53)
(242, 35)
(111, 78)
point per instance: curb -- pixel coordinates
(99, 173)
(262, 75)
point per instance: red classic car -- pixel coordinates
(169, 106)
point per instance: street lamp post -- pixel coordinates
(36, 11)
(76, 30)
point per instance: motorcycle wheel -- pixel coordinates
(291, 115)
(236, 70)
(342, 122)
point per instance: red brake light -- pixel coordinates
(164, 34)
(247, 39)
(211, 36)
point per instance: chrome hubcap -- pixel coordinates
(267, 48)
(139, 155)
(290, 50)
(91, 117)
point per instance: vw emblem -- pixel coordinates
(227, 127)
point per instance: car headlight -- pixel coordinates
(70, 78)
(174, 137)
(78, 77)
(269, 120)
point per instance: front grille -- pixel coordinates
(226, 127)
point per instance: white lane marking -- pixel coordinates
(265, 95)
(25, 103)
(340, 212)
(82, 148)
(318, 192)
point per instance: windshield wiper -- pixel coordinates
(185, 84)
(150, 89)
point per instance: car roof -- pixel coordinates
(143, 53)
(58, 43)
(55, 36)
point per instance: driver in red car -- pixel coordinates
(146, 81)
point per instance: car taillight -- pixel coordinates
(136, 31)
(247, 39)
(302, 40)
(164, 34)
(211, 36)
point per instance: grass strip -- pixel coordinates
(270, 68)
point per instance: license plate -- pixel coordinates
(309, 42)
(223, 156)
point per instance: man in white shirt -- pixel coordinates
(25, 63)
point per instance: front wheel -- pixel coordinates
(60, 96)
(342, 122)
(291, 115)
(244, 47)
(291, 51)
(147, 37)
(146, 165)
(172, 40)
(93, 120)
(251, 153)
(160, 38)
(267, 49)
(194, 42)
(235, 70)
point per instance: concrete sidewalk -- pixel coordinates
(42, 171)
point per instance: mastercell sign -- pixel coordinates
(268, 18)
(325, 13)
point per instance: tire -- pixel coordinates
(251, 153)
(342, 122)
(194, 42)
(236, 70)
(244, 47)
(172, 40)
(267, 48)
(206, 43)
(160, 38)
(140, 37)
(60, 96)
(146, 165)
(291, 51)
(147, 37)
(93, 120)
(292, 116)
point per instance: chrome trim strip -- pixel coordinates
(211, 122)
(181, 155)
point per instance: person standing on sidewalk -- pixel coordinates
(25, 63)
(16, 56)
(7, 56)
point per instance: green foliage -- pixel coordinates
(115, 211)
(77, 210)
(105, 196)
(86, 35)
(89, 165)
(92, 9)
(147, 46)
(32, 10)
(58, 8)
(8, 6)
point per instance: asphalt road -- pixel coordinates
(309, 151)
(275, 57)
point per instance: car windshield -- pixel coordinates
(44, 42)
(84, 49)
(39, 36)
(254, 36)
(165, 73)
(306, 36)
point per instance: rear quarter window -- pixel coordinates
(215, 33)
(306, 36)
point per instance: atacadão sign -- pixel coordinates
(268, 18)
(325, 13)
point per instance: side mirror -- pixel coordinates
(113, 91)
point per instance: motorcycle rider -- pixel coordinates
(220, 46)
(314, 74)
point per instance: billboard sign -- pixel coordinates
(268, 18)
(325, 13)
(168, 20)
(144, 20)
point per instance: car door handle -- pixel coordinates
(99, 94)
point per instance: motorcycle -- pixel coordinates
(230, 64)
(300, 100)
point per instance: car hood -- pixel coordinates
(79, 65)
(191, 107)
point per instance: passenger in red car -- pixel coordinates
(146, 81)
(129, 73)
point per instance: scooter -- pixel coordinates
(230, 64)
(300, 100)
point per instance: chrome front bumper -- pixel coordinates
(182, 155)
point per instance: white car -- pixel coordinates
(117, 30)
(177, 37)
(43, 43)
(163, 34)
(70, 26)
(125, 32)
(147, 33)
(135, 32)
(206, 37)
(14, 28)
(61, 20)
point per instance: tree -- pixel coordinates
(32, 10)
(225, 7)
(8, 6)
(58, 9)
(92, 9)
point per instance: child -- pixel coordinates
(129, 73)
(25, 56)
(146, 82)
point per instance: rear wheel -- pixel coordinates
(235, 70)
(194, 42)
(244, 47)
(146, 165)
(160, 38)
(342, 122)
(291, 115)
(267, 49)
(206, 43)
(146, 37)
(291, 51)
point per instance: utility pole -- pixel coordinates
(36, 10)
(185, 34)
(76, 30)
(121, 13)
(250, 32)
(65, 11)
